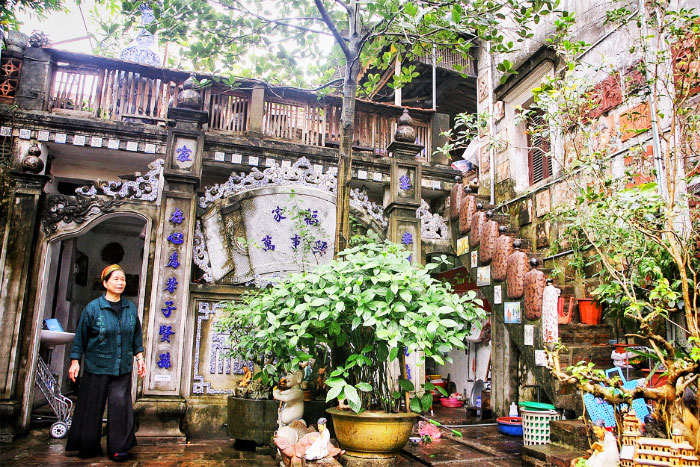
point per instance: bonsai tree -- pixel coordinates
(366, 308)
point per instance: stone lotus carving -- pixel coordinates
(517, 267)
(503, 248)
(200, 254)
(478, 220)
(456, 198)
(534, 283)
(489, 234)
(432, 226)
(144, 188)
(68, 209)
(301, 173)
(466, 212)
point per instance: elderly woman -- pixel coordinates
(108, 337)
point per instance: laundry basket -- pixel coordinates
(536, 425)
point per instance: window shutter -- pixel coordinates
(538, 160)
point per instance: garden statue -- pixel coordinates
(291, 398)
(604, 451)
(247, 375)
(314, 445)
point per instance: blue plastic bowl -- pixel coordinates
(511, 426)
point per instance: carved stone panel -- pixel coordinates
(517, 267)
(456, 200)
(503, 248)
(466, 212)
(535, 283)
(606, 95)
(478, 221)
(489, 234)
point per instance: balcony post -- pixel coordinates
(257, 110)
(439, 123)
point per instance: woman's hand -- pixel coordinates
(140, 365)
(74, 370)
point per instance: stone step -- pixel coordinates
(547, 455)
(570, 434)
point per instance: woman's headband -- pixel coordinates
(110, 269)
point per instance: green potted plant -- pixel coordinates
(367, 307)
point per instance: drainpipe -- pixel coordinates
(658, 162)
(492, 162)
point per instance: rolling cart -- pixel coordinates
(51, 389)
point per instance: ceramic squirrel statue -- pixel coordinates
(291, 399)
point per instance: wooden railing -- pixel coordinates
(113, 90)
(112, 94)
(452, 61)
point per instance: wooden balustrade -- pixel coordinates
(112, 94)
(144, 94)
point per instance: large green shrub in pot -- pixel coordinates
(366, 307)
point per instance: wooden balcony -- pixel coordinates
(113, 90)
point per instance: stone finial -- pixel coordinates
(15, 43)
(32, 162)
(405, 131)
(189, 97)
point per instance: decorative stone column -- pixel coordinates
(404, 200)
(405, 188)
(163, 406)
(15, 262)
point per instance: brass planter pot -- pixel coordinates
(372, 434)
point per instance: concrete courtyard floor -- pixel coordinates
(487, 448)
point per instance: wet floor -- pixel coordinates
(486, 447)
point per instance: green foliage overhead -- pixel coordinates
(10, 8)
(306, 42)
(366, 308)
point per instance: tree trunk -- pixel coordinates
(347, 133)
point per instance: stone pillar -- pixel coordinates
(257, 111)
(15, 261)
(35, 80)
(404, 200)
(163, 406)
(405, 188)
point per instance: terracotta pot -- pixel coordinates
(589, 310)
(368, 435)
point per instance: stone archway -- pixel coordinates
(68, 271)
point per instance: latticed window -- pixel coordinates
(539, 162)
(9, 77)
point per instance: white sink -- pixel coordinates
(52, 338)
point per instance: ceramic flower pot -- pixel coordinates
(370, 435)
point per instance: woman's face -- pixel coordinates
(115, 283)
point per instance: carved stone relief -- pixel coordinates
(503, 248)
(456, 199)
(517, 267)
(466, 212)
(489, 234)
(535, 283)
(478, 221)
